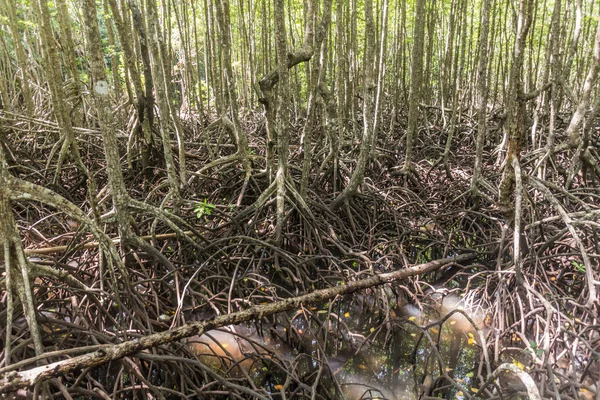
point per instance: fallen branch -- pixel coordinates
(14, 380)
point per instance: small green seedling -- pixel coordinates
(203, 209)
(580, 267)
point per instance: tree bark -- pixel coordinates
(370, 72)
(515, 108)
(9, 9)
(55, 80)
(100, 91)
(416, 83)
(165, 107)
(482, 92)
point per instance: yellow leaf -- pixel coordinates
(278, 387)
(460, 380)
(474, 390)
(471, 335)
(372, 330)
(412, 318)
(434, 330)
(448, 369)
(460, 393)
(413, 334)
(362, 366)
(347, 314)
(518, 364)
(583, 390)
(452, 322)
(471, 341)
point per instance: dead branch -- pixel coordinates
(12, 381)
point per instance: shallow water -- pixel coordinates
(368, 349)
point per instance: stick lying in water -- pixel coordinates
(11, 381)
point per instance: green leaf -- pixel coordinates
(203, 209)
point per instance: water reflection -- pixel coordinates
(400, 351)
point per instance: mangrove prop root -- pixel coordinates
(14, 380)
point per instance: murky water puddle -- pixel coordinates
(361, 347)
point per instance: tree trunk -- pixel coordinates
(515, 108)
(11, 14)
(416, 83)
(370, 72)
(230, 95)
(164, 102)
(100, 92)
(52, 64)
(282, 114)
(482, 92)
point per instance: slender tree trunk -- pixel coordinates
(52, 64)
(482, 92)
(381, 69)
(515, 108)
(199, 72)
(70, 61)
(231, 98)
(416, 83)
(147, 65)
(369, 74)
(11, 14)
(100, 92)
(164, 103)
(554, 50)
(341, 87)
(317, 79)
(145, 115)
(114, 56)
(283, 114)
(573, 130)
